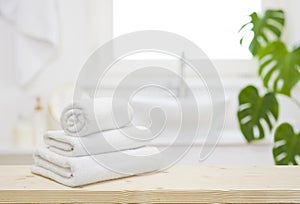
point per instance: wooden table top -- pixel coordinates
(179, 184)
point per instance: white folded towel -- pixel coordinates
(89, 116)
(96, 143)
(78, 171)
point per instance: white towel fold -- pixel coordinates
(96, 143)
(89, 116)
(78, 171)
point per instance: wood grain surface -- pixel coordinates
(179, 184)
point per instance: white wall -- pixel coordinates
(292, 23)
(13, 99)
(291, 8)
(84, 25)
(79, 36)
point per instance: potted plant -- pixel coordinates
(279, 70)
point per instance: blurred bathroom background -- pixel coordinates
(44, 45)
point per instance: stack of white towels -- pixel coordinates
(71, 156)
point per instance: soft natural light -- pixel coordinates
(212, 24)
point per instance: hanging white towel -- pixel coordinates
(88, 116)
(78, 171)
(97, 143)
(36, 23)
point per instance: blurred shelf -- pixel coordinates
(16, 151)
(227, 138)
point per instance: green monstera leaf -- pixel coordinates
(279, 67)
(254, 110)
(287, 145)
(265, 29)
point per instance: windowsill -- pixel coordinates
(16, 150)
(228, 138)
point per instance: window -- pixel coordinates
(212, 24)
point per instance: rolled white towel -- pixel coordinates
(89, 116)
(96, 143)
(78, 171)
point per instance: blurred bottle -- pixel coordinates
(39, 121)
(23, 133)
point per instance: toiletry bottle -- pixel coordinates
(23, 134)
(39, 122)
